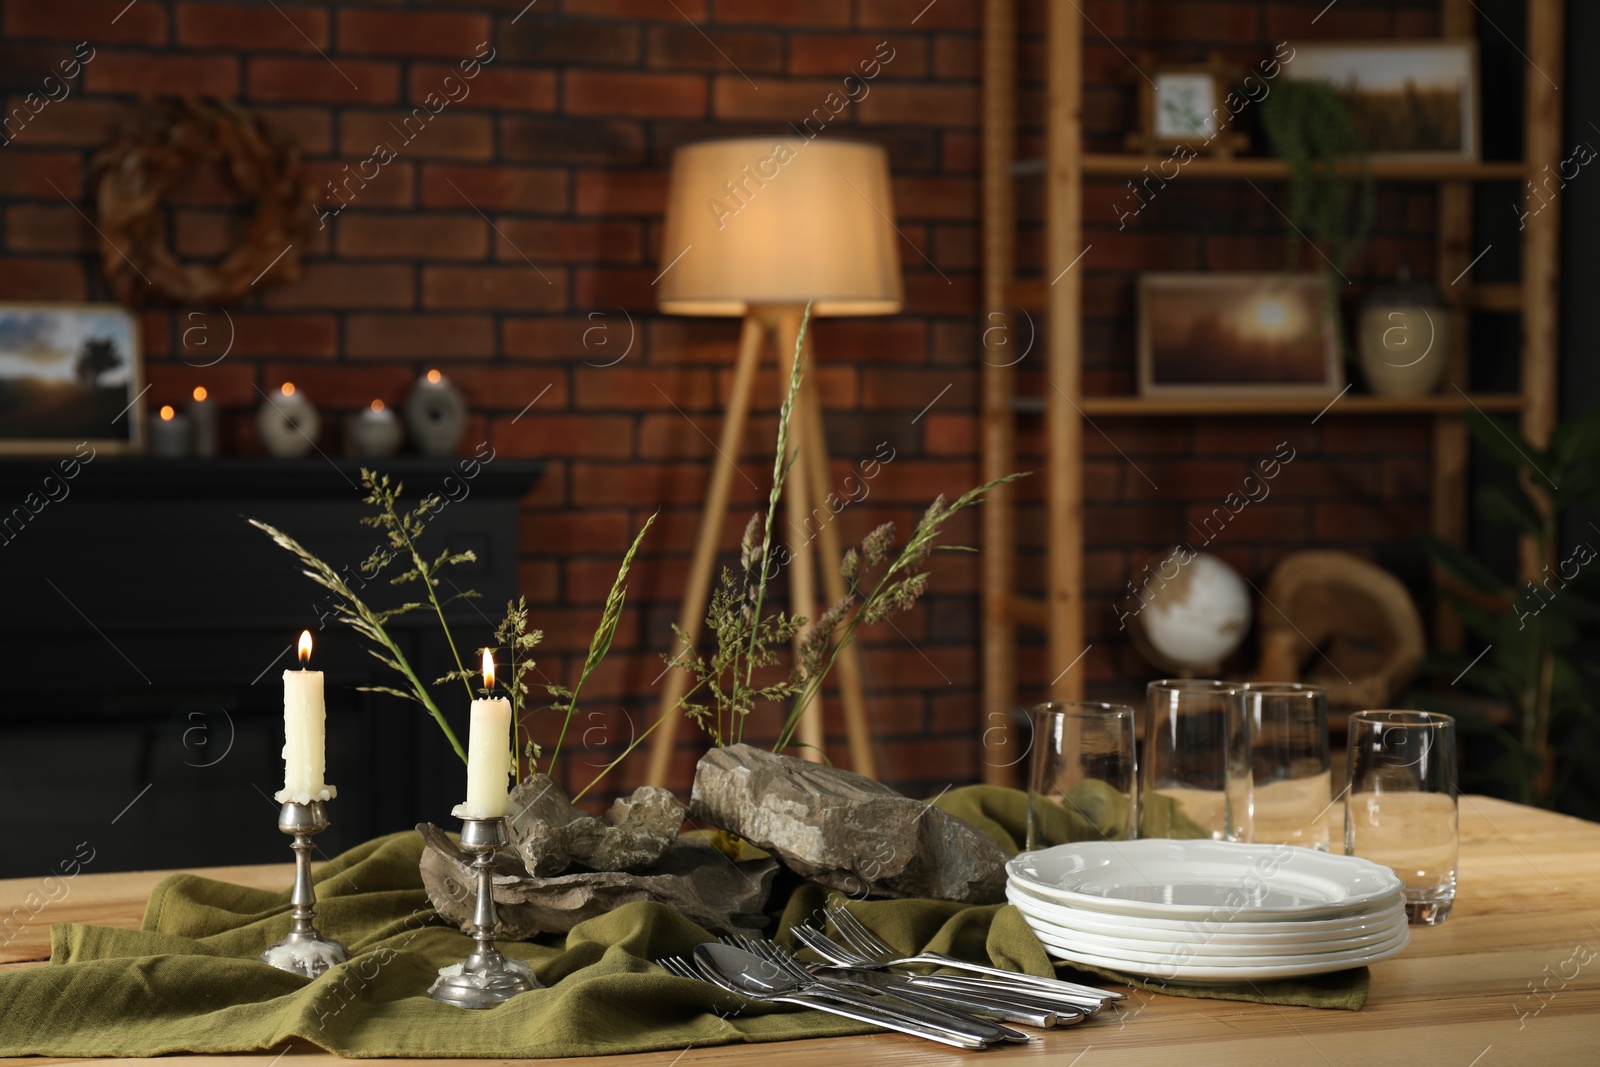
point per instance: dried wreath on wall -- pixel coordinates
(138, 170)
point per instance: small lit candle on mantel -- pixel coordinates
(436, 415)
(375, 432)
(488, 754)
(304, 734)
(287, 422)
(203, 413)
(169, 434)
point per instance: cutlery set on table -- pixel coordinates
(858, 980)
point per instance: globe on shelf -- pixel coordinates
(1194, 610)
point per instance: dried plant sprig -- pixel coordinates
(599, 643)
(402, 529)
(351, 610)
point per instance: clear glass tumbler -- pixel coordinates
(1083, 775)
(1291, 774)
(1401, 809)
(1196, 762)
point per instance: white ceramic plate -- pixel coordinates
(1190, 931)
(1233, 946)
(1217, 880)
(1181, 954)
(1210, 973)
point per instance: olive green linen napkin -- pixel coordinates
(188, 980)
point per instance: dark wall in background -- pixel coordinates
(559, 159)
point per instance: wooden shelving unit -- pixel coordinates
(1060, 610)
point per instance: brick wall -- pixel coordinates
(514, 240)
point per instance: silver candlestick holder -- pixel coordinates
(486, 978)
(304, 951)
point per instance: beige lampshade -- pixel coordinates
(780, 221)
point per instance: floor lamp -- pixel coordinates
(757, 228)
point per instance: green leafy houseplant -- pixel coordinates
(1535, 634)
(1331, 198)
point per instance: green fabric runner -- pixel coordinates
(188, 979)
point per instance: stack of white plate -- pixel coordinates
(1209, 912)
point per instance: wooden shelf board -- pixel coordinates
(1114, 406)
(1125, 165)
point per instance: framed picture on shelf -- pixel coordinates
(1409, 100)
(69, 374)
(1237, 334)
(1182, 104)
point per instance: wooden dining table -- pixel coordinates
(1512, 978)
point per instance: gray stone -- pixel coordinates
(691, 876)
(551, 834)
(845, 830)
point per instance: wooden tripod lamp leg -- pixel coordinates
(814, 442)
(705, 548)
(802, 583)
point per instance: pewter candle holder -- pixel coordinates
(486, 978)
(304, 951)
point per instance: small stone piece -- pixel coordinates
(845, 830)
(551, 835)
(691, 876)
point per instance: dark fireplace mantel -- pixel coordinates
(148, 628)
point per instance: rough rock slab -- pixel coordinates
(691, 876)
(845, 830)
(551, 835)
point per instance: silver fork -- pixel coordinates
(930, 1010)
(879, 954)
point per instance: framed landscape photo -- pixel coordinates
(1410, 100)
(1237, 334)
(69, 373)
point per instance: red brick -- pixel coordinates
(611, 192)
(921, 15)
(647, 485)
(947, 390)
(41, 174)
(949, 435)
(574, 242)
(431, 236)
(284, 335)
(571, 532)
(786, 101)
(252, 29)
(829, 13)
(48, 228)
(859, 54)
(693, 10)
(935, 198)
(1342, 22)
(167, 73)
(571, 140)
(311, 128)
(1180, 21)
(540, 190)
(430, 337)
(539, 580)
(599, 337)
(671, 436)
(494, 288)
(1407, 477)
(928, 293)
(622, 93)
(956, 58)
(350, 388)
(41, 279)
(230, 385)
(923, 103)
(1370, 520)
(564, 43)
(836, 387)
(418, 134)
(500, 88)
(511, 387)
(576, 436)
(1375, 436)
(685, 47)
(76, 20)
(692, 339)
(614, 287)
(620, 388)
(393, 33)
(870, 340)
(72, 122)
(323, 81)
(340, 186)
(346, 286)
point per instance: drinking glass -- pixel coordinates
(1196, 762)
(1083, 779)
(1401, 810)
(1291, 775)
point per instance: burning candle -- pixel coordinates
(375, 432)
(488, 754)
(203, 413)
(169, 435)
(287, 422)
(436, 415)
(304, 734)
